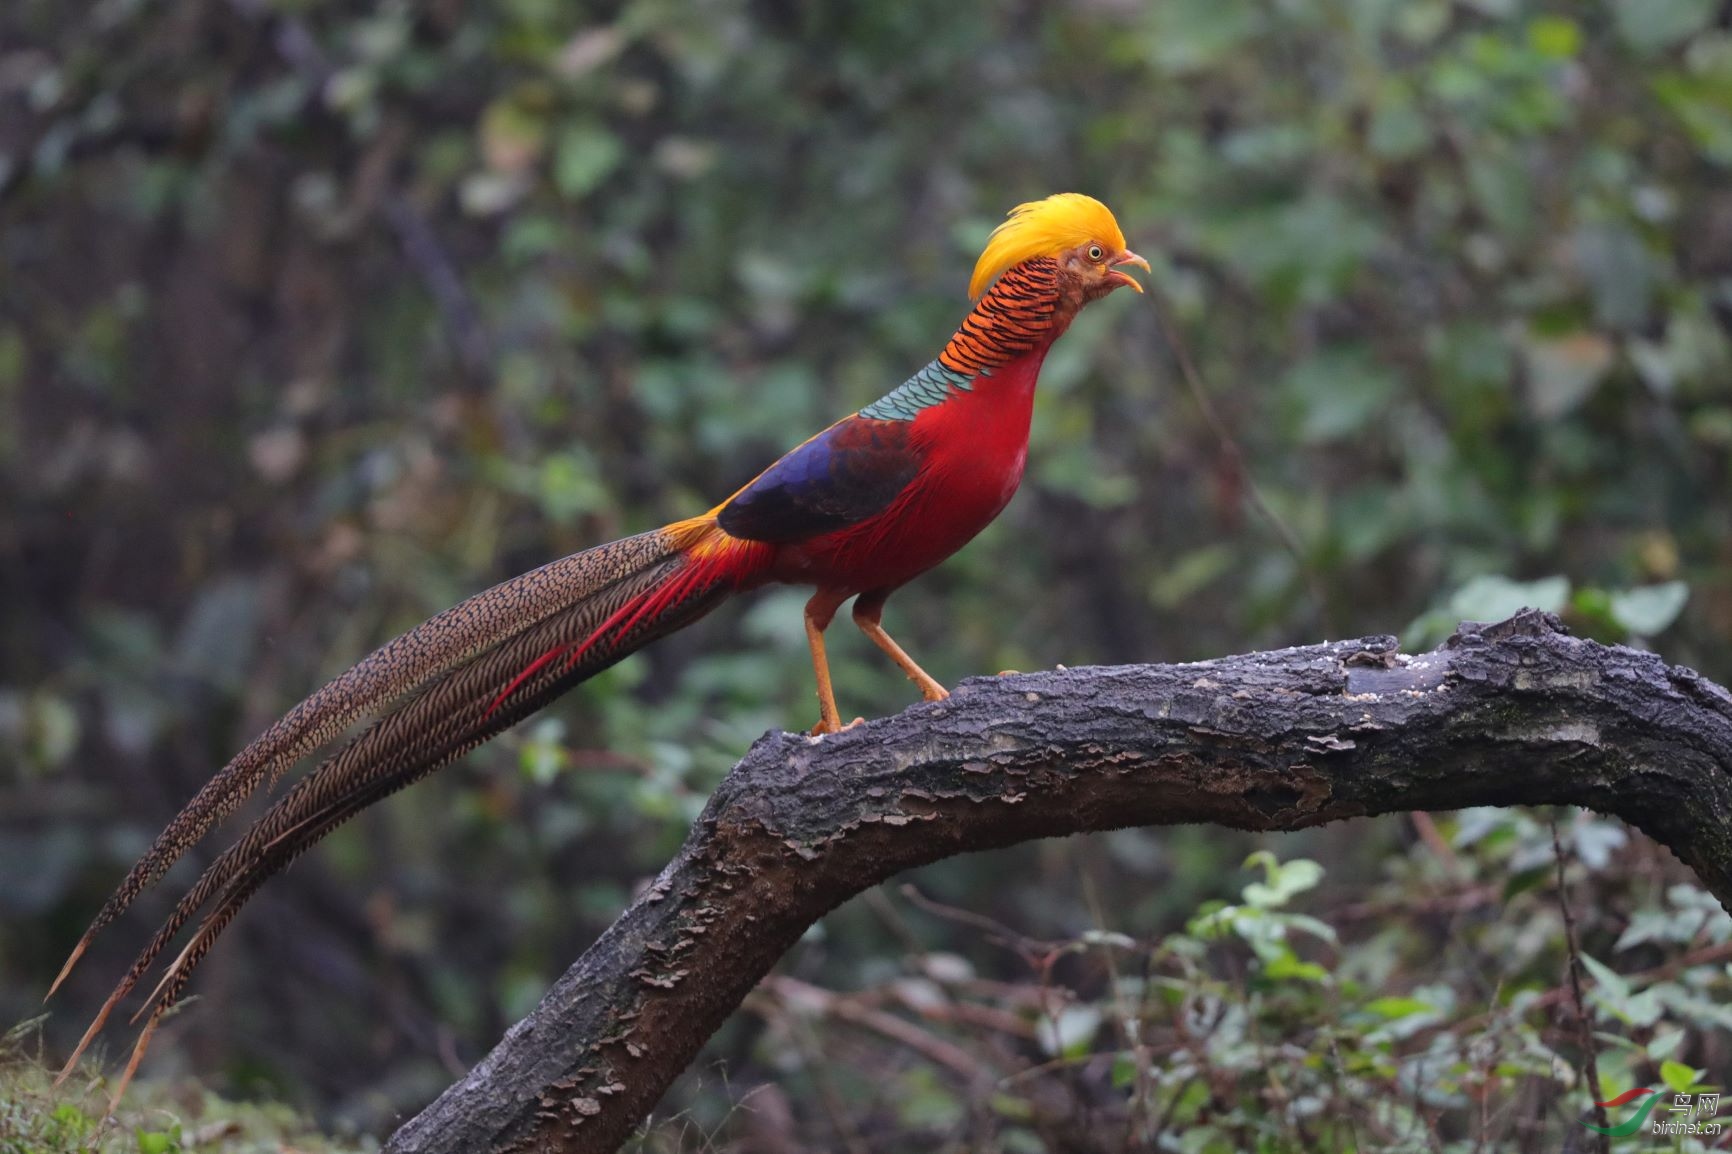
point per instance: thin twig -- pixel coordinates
(1434, 840)
(298, 48)
(1477, 897)
(1590, 1049)
(878, 901)
(793, 992)
(1130, 1024)
(829, 1097)
(438, 272)
(997, 932)
(1702, 956)
(1235, 455)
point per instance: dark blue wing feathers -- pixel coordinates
(851, 471)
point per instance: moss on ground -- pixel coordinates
(36, 1117)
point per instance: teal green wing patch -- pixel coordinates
(924, 389)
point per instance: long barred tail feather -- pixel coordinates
(393, 670)
(452, 691)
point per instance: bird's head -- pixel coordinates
(1077, 231)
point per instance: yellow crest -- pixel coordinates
(1044, 228)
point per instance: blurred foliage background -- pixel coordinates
(317, 316)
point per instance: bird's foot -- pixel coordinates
(934, 692)
(821, 729)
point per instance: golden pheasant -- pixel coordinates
(857, 511)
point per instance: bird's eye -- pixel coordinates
(1095, 252)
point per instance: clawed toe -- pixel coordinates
(821, 730)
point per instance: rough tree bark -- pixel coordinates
(1517, 713)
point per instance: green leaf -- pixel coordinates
(1474, 824)
(1338, 392)
(1647, 610)
(1191, 574)
(1282, 880)
(157, 1142)
(1264, 860)
(1622, 276)
(1591, 609)
(586, 156)
(1564, 371)
(1109, 938)
(1678, 1076)
(922, 1102)
(1522, 881)
(1291, 967)
(1696, 1010)
(1654, 25)
(1396, 1007)
(1071, 1032)
(512, 136)
(1655, 926)
(543, 755)
(1493, 598)
(1665, 1044)
(1700, 103)
(1399, 129)
(1608, 979)
(1299, 875)
(1555, 36)
(70, 1121)
(1596, 840)
(1313, 926)
(1188, 35)
(1613, 995)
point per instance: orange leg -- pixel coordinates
(820, 610)
(867, 611)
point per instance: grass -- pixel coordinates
(36, 1117)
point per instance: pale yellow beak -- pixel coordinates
(1129, 257)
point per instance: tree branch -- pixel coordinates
(1516, 713)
